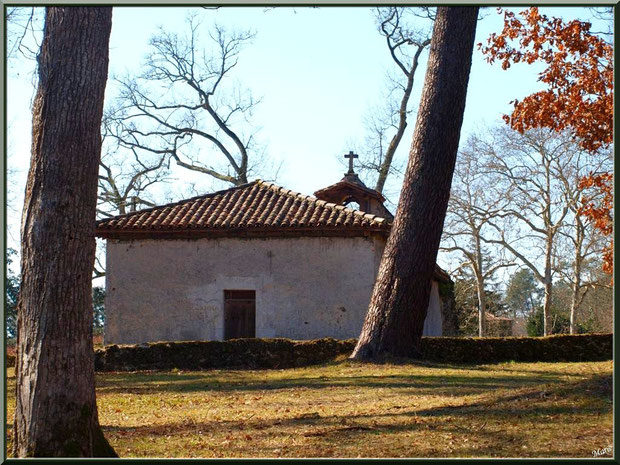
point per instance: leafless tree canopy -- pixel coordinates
(472, 206)
(125, 181)
(528, 203)
(386, 124)
(24, 28)
(182, 108)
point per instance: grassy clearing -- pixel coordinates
(346, 409)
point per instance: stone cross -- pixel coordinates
(351, 156)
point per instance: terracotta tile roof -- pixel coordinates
(350, 181)
(257, 207)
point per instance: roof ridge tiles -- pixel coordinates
(320, 202)
(255, 205)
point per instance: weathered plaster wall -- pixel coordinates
(433, 322)
(306, 288)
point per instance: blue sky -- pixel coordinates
(319, 71)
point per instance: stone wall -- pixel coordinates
(285, 353)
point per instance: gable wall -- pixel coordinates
(306, 288)
(174, 289)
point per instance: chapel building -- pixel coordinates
(256, 260)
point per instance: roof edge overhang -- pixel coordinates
(442, 275)
(137, 234)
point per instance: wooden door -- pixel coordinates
(239, 314)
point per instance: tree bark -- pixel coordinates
(547, 317)
(576, 282)
(482, 303)
(482, 308)
(399, 302)
(548, 285)
(56, 412)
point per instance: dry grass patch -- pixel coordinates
(347, 409)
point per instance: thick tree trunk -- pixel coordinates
(575, 294)
(573, 311)
(576, 281)
(56, 412)
(400, 297)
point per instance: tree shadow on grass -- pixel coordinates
(450, 384)
(466, 421)
(600, 386)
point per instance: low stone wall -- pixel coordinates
(558, 348)
(286, 353)
(236, 353)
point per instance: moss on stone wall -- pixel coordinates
(286, 353)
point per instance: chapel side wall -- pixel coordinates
(433, 323)
(306, 287)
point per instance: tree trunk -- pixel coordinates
(56, 413)
(482, 309)
(576, 281)
(576, 288)
(400, 297)
(482, 301)
(547, 321)
(548, 284)
(573, 311)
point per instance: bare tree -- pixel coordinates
(126, 176)
(532, 171)
(23, 31)
(123, 191)
(179, 107)
(127, 179)
(581, 240)
(472, 205)
(56, 412)
(387, 125)
(395, 318)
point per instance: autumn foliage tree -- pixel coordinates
(600, 211)
(578, 96)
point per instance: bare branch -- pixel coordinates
(196, 106)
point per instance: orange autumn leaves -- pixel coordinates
(579, 75)
(599, 211)
(578, 96)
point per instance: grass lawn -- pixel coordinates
(346, 409)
